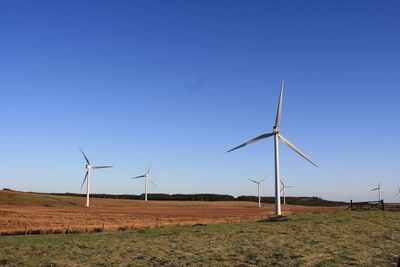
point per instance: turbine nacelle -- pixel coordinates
(275, 130)
(88, 167)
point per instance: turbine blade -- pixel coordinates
(254, 181)
(252, 141)
(101, 167)
(374, 189)
(295, 149)
(262, 180)
(84, 179)
(87, 161)
(290, 186)
(148, 170)
(152, 182)
(279, 111)
(140, 176)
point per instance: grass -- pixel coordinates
(367, 238)
(26, 213)
(35, 198)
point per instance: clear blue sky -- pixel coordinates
(177, 83)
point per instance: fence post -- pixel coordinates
(383, 205)
(351, 204)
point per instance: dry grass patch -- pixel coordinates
(32, 213)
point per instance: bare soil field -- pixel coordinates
(26, 213)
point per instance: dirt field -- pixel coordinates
(24, 213)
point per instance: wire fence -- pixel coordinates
(374, 205)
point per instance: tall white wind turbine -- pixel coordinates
(379, 190)
(87, 176)
(258, 189)
(147, 178)
(277, 136)
(398, 193)
(283, 190)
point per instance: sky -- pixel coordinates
(176, 84)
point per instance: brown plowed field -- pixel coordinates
(25, 213)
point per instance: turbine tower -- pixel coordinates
(147, 178)
(379, 190)
(277, 136)
(87, 176)
(258, 189)
(283, 190)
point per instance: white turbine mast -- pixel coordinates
(277, 136)
(87, 176)
(258, 189)
(147, 178)
(283, 191)
(379, 190)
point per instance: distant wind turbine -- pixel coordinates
(147, 178)
(87, 176)
(277, 136)
(258, 189)
(398, 193)
(379, 190)
(283, 189)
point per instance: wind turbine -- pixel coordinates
(379, 190)
(277, 136)
(398, 193)
(87, 176)
(258, 189)
(283, 189)
(147, 178)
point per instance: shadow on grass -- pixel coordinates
(199, 224)
(275, 219)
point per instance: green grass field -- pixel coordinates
(370, 238)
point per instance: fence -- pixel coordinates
(392, 206)
(374, 205)
(367, 205)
